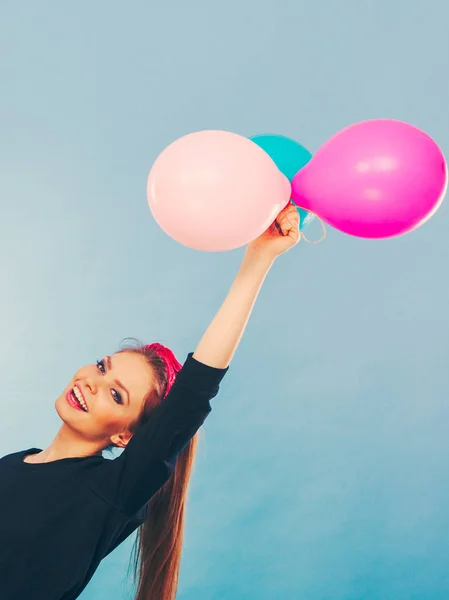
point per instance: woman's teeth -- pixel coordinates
(79, 397)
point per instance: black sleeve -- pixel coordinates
(129, 481)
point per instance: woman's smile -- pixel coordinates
(76, 399)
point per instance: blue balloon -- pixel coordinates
(290, 157)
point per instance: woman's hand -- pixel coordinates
(282, 235)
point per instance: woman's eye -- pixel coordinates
(116, 395)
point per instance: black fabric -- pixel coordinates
(59, 519)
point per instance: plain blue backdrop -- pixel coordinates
(323, 469)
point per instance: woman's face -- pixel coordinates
(113, 391)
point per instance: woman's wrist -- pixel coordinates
(260, 257)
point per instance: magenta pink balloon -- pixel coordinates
(376, 179)
(215, 190)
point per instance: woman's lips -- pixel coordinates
(72, 402)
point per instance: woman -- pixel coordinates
(65, 508)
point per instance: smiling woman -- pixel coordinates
(65, 508)
(113, 391)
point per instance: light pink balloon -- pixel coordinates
(375, 179)
(215, 190)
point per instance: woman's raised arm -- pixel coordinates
(222, 337)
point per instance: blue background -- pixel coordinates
(323, 469)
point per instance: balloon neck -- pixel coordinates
(320, 221)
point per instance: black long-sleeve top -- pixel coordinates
(59, 519)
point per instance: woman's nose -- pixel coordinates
(91, 386)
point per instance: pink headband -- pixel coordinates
(171, 363)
